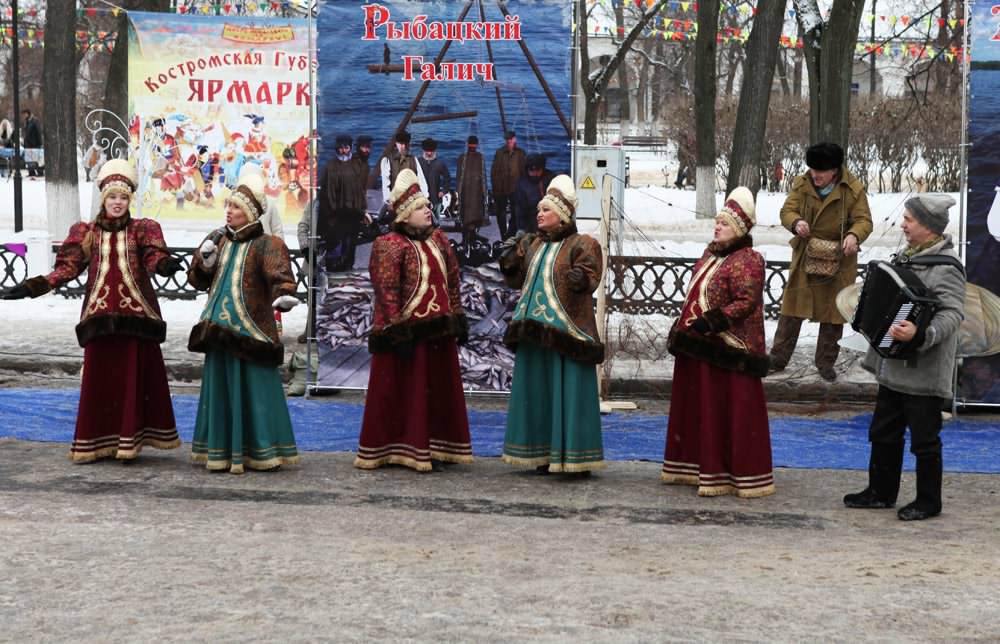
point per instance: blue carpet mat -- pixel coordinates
(970, 445)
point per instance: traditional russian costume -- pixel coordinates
(718, 436)
(243, 419)
(124, 397)
(415, 406)
(553, 417)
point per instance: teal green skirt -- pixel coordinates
(242, 417)
(554, 416)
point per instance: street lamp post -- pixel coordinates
(18, 201)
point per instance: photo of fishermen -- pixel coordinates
(478, 199)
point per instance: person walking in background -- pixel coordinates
(553, 418)
(124, 397)
(415, 411)
(912, 391)
(243, 419)
(507, 168)
(529, 191)
(435, 172)
(470, 184)
(718, 436)
(827, 212)
(32, 144)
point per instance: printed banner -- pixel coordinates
(979, 378)
(453, 79)
(210, 95)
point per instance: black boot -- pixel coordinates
(928, 502)
(884, 469)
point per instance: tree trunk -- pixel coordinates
(829, 59)
(59, 129)
(782, 69)
(622, 69)
(755, 97)
(594, 84)
(704, 100)
(116, 84)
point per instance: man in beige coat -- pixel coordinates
(827, 202)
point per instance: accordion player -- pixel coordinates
(892, 293)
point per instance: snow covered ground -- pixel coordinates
(658, 221)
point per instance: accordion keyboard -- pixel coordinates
(902, 314)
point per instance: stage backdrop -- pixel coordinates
(208, 95)
(980, 377)
(373, 61)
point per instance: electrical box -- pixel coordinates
(599, 175)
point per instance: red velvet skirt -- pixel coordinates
(718, 436)
(124, 400)
(415, 409)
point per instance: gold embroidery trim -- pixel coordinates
(121, 243)
(99, 294)
(224, 251)
(423, 281)
(236, 290)
(548, 284)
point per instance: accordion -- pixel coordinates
(892, 293)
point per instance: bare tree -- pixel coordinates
(755, 97)
(116, 87)
(594, 83)
(704, 100)
(59, 91)
(829, 52)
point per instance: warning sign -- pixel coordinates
(587, 183)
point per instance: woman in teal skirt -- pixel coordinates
(243, 419)
(553, 419)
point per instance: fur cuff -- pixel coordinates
(38, 285)
(717, 320)
(100, 326)
(206, 336)
(717, 353)
(552, 338)
(410, 332)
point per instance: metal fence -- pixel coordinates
(15, 271)
(637, 285)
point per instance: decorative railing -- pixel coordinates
(13, 264)
(176, 286)
(637, 285)
(656, 285)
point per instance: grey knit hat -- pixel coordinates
(931, 210)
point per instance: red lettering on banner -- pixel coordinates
(375, 17)
(239, 92)
(284, 91)
(214, 87)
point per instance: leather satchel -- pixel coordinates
(822, 257)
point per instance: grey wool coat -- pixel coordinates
(930, 371)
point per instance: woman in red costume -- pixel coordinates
(718, 436)
(124, 399)
(415, 409)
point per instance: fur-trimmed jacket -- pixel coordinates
(727, 294)
(119, 255)
(557, 273)
(250, 270)
(416, 280)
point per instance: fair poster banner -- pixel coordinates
(979, 378)
(209, 95)
(500, 67)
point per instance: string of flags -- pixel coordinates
(260, 8)
(32, 38)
